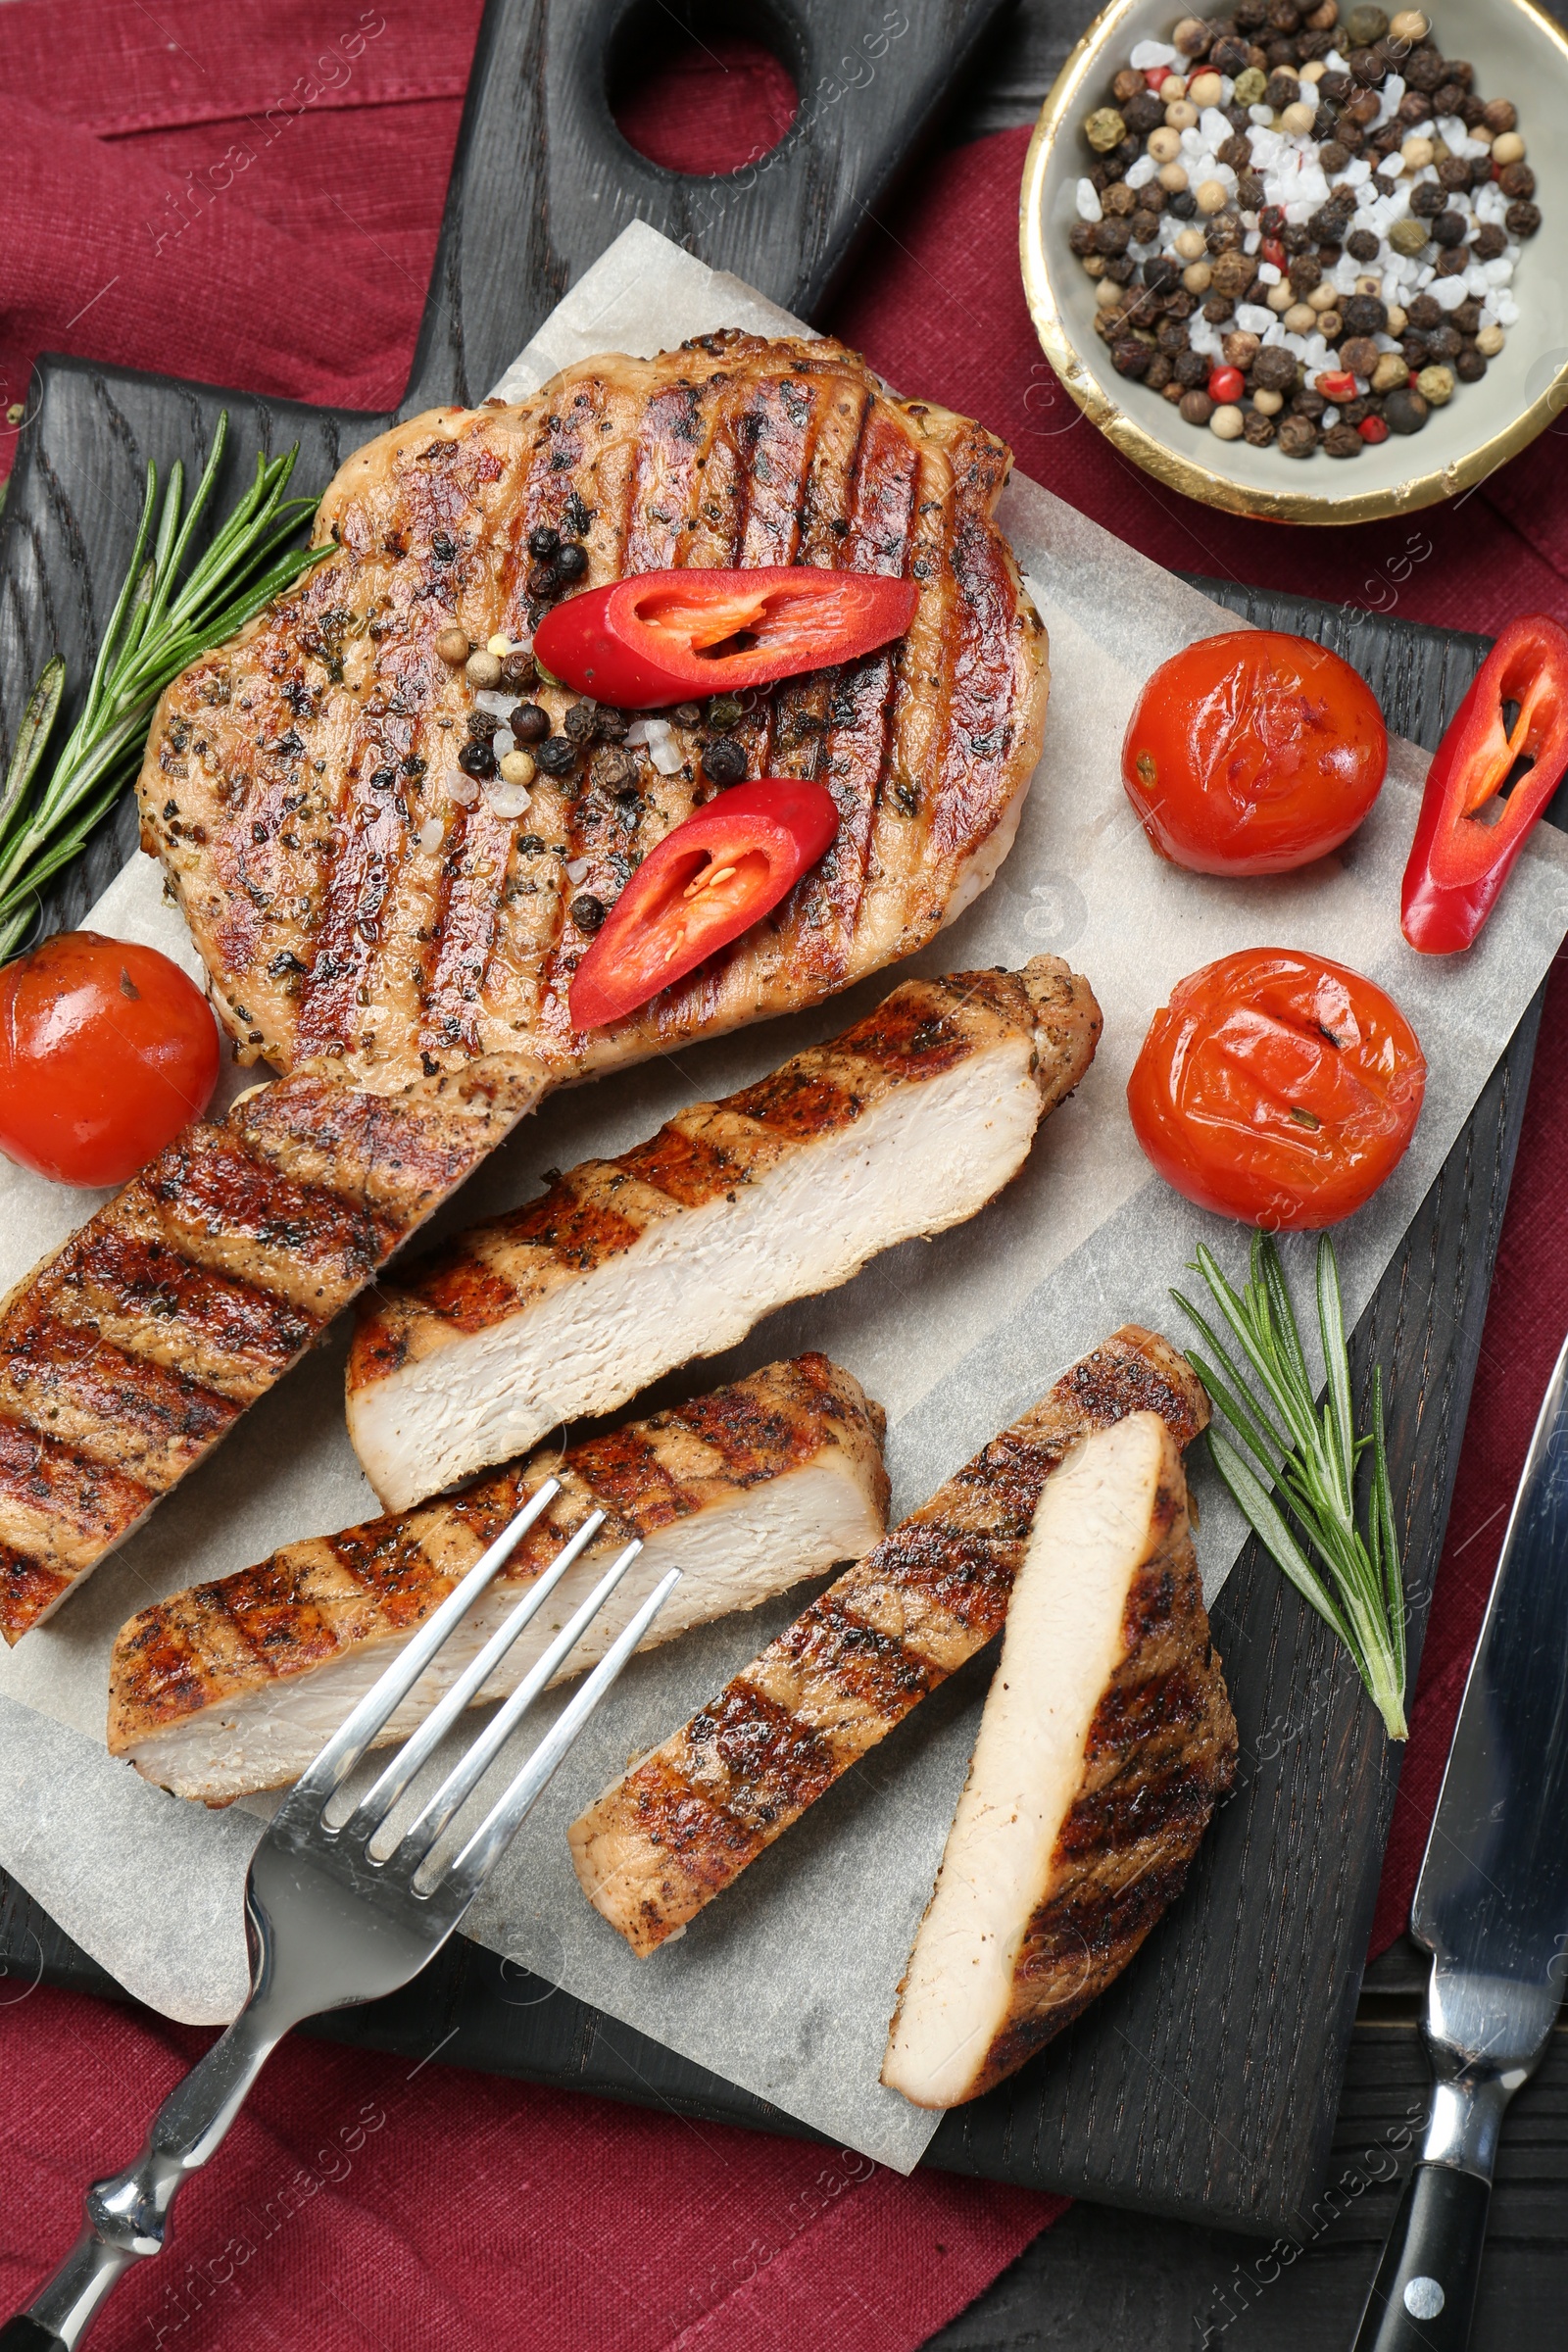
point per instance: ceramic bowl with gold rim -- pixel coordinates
(1517, 52)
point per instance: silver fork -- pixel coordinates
(328, 1920)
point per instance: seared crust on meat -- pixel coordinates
(496, 1271)
(125, 1356)
(315, 1602)
(292, 776)
(680, 1826)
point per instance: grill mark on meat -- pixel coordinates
(192, 1292)
(664, 476)
(312, 1601)
(759, 1753)
(854, 1663)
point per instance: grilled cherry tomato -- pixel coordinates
(105, 1052)
(706, 882)
(665, 636)
(1460, 858)
(1277, 1088)
(1253, 752)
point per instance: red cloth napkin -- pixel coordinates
(250, 193)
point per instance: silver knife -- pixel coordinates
(1491, 1907)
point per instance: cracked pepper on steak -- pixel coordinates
(292, 776)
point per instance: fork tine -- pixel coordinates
(349, 1743)
(495, 1832)
(373, 1808)
(467, 1774)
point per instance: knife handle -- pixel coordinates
(1425, 2291)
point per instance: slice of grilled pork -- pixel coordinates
(1106, 1741)
(681, 1826)
(355, 895)
(907, 1124)
(234, 1685)
(129, 1353)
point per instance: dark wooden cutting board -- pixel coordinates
(1205, 2083)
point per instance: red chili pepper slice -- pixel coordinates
(1467, 839)
(663, 636)
(706, 882)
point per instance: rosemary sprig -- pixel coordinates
(1309, 1454)
(163, 620)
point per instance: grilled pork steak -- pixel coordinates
(1106, 1741)
(236, 1685)
(355, 895)
(907, 1124)
(682, 1824)
(129, 1353)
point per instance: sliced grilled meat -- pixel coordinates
(681, 1826)
(1107, 1739)
(129, 1353)
(234, 1685)
(907, 1124)
(352, 891)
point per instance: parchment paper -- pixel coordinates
(785, 1984)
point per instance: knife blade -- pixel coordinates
(1491, 1907)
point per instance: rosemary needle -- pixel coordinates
(1309, 1454)
(163, 619)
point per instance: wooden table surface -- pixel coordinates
(1102, 2280)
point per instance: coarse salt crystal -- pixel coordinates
(1146, 55)
(1267, 147)
(507, 800)
(431, 835)
(1330, 418)
(1334, 63)
(665, 753)
(1252, 240)
(1356, 173)
(1253, 319)
(499, 706)
(1478, 282)
(1140, 174)
(1269, 272)
(1088, 200)
(1451, 132)
(1491, 204)
(1262, 116)
(1391, 165)
(1498, 273)
(1507, 310)
(1389, 100)
(462, 788)
(577, 869)
(1213, 126)
(1449, 292)
(636, 734)
(1345, 273)
(502, 742)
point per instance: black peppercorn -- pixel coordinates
(1130, 356)
(482, 722)
(1308, 403)
(1335, 87)
(1342, 440)
(542, 579)
(543, 541)
(1258, 430)
(610, 724)
(587, 912)
(1424, 313)
(1363, 315)
(1248, 191)
(477, 759)
(1362, 245)
(613, 771)
(580, 721)
(516, 672)
(529, 722)
(1428, 199)
(1192, 369)
(442, 547)
(724, 760)
(557, 754)
(572, 562)
(1297, 436)
(1144, 114)
(1305, 271)
(1449, 228)
(1081, 238)
(1182, 203)
(1405, 411)
(1112, 237)
(1274, 369)
(1425, 71)
(1415, 107)
(1523, 219)
(1517, 179)
(1453, 172)
(1489, 242)
(1470, 366)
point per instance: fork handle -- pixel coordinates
(126, 2216)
